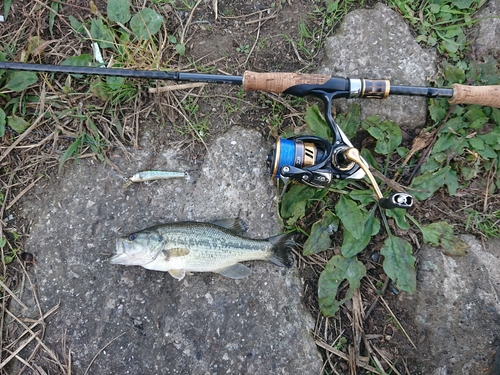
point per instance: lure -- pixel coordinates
(153, 175)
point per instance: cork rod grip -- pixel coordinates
(481, 95)
(279, 82)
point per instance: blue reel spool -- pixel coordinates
(292, 152)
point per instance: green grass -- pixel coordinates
(441, 23)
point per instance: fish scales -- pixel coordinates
(200, 247)
(210, 245)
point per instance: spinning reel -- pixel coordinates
(314, 161)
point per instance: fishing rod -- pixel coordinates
(311, 160)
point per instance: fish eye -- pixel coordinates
(132, 237)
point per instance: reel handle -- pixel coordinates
(394, 200)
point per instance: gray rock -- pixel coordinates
(488, 39)
(377, 43)
(456, 309)
(205, 324)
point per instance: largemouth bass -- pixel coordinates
(201, 247)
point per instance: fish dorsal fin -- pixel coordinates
(178, 274)
(235, 225)
(176, 252)
(236, 271)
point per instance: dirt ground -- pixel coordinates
(260, 35)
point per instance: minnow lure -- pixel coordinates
(153, 175)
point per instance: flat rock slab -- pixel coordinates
(377, 43)
(456, 309)
(150, 322)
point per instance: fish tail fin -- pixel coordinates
(281, 254)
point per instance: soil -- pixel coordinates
(247, 35)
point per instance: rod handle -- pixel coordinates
(481, 95)
(279, 82)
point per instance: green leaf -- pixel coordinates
(476, 143)
(451, 182)
(293, 205)
(319, 240)
(454, 74)
(431, 233)
(362, 196)
(387, 134)
(19, 81)
(428, 183)
(6, 8)
(350, 215)
(478, 124)
(489, 71)
(18, 124)
(146, 23)
(448, 141)
(462, 4)
(399, 215)
(349, 122)
(437, 110)
(336, 271)
(399, 264)
(441, 234)
(474, 113)
(3, 122)
(180, 49)
(317, 123)
(52, 15)
(81, 60)
(76, 25)
(101, 34)
(72, 150)
(352, 246)
(115, 83)
(367, 155)
(495, 115)
(119, 11)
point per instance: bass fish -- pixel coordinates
(201, 247)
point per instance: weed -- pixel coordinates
(467, 148)
(200, 125)
(488, 225)
(243, 48)
(440, 24)
(322, 21)
(274, 118)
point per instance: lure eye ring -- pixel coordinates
(132, 237)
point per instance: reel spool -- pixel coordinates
(306, 159)
(293, 152)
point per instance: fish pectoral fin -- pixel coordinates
(176, 252)
(178, 274)
(237, 226)
(236, 271)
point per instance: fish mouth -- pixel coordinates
(128, 256)
(120, 257)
